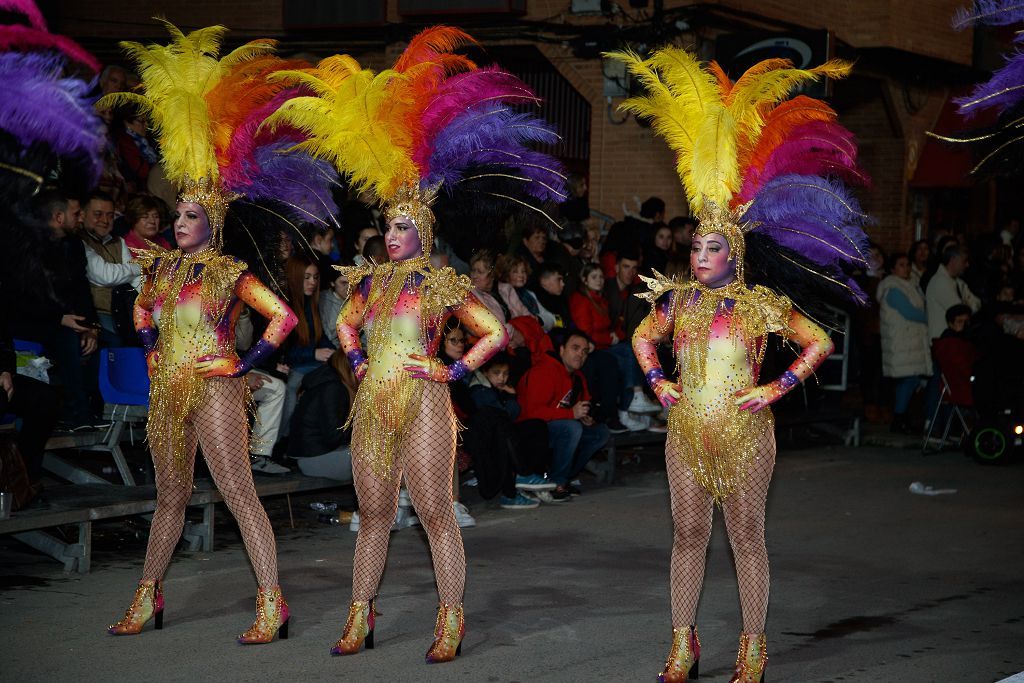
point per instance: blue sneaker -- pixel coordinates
(520, 502)
(534, 482)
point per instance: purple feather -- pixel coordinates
(813, 216)
(292, 178)
(991, 12)
(39, 106)
(1003, 91)
(492, 134)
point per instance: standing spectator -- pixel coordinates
(136, 153)
(946, 289)
(920, 255)
(362, 237)
(331, 301)
(576, 207)
(307, 348)
(109, 264)
(113, 79)
(320, 239)
(618, 289)
(657, 254)
(554, 390)
(142, 216)
(1010, 233)
(906, 355)
(683, 228)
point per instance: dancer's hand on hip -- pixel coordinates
(756, 398)
(423, 367)
(218, 366)
(668, 392)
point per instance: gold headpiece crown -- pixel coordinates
(729, 223)
(413, 202)
(214, 200)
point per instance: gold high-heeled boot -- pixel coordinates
(448, 634)
(147, 604)
(684, 657)
(751, 659)
(358, 629)
(271, 618)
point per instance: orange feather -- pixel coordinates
(779, 123)
(724, 82)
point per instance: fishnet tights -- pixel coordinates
(427, 457)
(221, 426)
(692, 511)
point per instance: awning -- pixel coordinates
(945, 164)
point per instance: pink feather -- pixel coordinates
(248, 136)
(25, 39)
(460, 92)
(27, 8)
(818, 148)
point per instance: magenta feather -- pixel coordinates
(26, 8)
(461, 92)
(25, 38)
(819, 148)
(250, 134)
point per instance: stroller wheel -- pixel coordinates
(989, 445)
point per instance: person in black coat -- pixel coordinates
(318, 439)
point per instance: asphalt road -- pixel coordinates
(870, 582)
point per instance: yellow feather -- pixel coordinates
(175, 78)
(355, 121)
(714, 172)
(766, 84)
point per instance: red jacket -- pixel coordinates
(591, 315)
(545, 391)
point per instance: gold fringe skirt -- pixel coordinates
(718, 446)
(381, 415)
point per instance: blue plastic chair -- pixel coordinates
(123, 376)
(27, 346)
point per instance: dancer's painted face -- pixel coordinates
(191, 227)
(402, 239)
(710, 259)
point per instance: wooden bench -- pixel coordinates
(83, 504)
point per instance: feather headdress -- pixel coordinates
(999, 146)
(44, 113)
(433, 123)
(754, 160)
(207, 110)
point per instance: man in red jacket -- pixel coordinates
(555, 391)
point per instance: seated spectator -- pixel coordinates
(142, 216)
(550, 292)
(501, 300)
(532, 247)
(572, 254)
(657, 254)
(109, 265)
(331, 301)
(958, 322)
(626, 400)
(514, 271)
(507, 456)
(307, 348)
(375, 250)
(554, 390)
(317, 441)
(35, 405)
(452, 348)
(622, 285)
(320, 239)
(268, 394)
(60, 316)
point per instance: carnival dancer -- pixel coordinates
(434, 121)
(207, 113)
(776, 228)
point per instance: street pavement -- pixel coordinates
(869, 582)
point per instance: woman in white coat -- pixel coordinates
(906, 356)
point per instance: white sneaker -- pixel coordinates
(633, 422)
(261, 464)
(462, 515)
(354, 524)
(405, 518)
(642, 404)
(542, 496)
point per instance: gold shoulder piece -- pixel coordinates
(146, 258)
(354, 275)
(657, 287)
(444, 288)
(775, 308)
